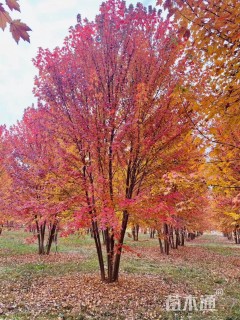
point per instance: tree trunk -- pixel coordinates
(171, 237)
(135, 232)
(119, 246)
(182, 237)
(177, 238)
(166, 238)
(51, 235)
(160, 242)
(40, 236)
(103, 238)
(152, 233)
(98, 245)
(109, 236)
(235, 236)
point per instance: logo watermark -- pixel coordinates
(191, 303)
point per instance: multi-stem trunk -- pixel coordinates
(52, 233)
(40, 235)
(113, 250)
(109, 238)
(135, 232)
(97, 240)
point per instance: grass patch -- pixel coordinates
(14, 242)
(225, 251)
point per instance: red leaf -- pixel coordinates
(13, 5)
(4, 17)
(20, 30)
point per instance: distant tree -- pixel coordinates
(38, 198)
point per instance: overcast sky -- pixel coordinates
(49, 21)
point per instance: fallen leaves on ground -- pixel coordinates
(83, 296)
